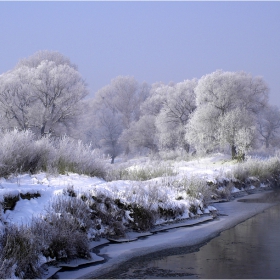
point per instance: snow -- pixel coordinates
(234, 190)
(208, 167)
(48, 186)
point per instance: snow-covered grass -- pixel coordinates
(62, 213)
(142, 172)
(267, 169)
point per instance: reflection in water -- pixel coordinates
(249, 250)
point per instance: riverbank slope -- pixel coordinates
(229, 214)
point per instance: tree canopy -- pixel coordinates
(42, 93)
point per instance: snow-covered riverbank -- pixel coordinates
(61, 217)
(231, 214)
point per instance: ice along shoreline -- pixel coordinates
(167, 243)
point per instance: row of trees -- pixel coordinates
(219, 111)
(45, 93)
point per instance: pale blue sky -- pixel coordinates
(152, 41)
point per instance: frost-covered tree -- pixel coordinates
(268, 125)
(164, 113)
(124, 95)
(141, 134)
(155, 100)
(16, 99)
(237, 129)
(108, 128)
(218, 96)
(228, 90)
(35, 60)
(42, 93)
(113, 109)
(178, 105)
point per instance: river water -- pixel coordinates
(249, 250)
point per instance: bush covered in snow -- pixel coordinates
(16, 152)
(61, 237)
(19, 254)
(74, 156)
(194, 187)
(21, 152)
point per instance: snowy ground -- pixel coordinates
(48, 187)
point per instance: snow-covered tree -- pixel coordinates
(228, 90)
(108, 128)
(141, 134)
(202, 128)
(16, 99)
(268, 125)
(113, 109)
(178, 105)
(35, 60)
(155, 100)
(124, 95)
(218, 96)
(43, 93)
(237, 129)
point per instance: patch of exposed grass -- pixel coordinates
(140, 174)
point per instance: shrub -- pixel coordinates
(61, 237)
(68, 239)
(45, 155)
(107, 212)
(273, 165)
(140, 218)
(171, 213)
(70, 191)
(16, 152)
(194, 187)
(74, 208)
(240, 172)
(21, 152)
(74, 156)
(63, 230)
(143, 219)
(19, 251)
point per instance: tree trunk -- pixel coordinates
(234, 155)
(43, 130)
(112, 159)
(266, 143)
(187, 147)
(233, 152)
(127, 150)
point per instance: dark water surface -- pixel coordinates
(248, 250)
